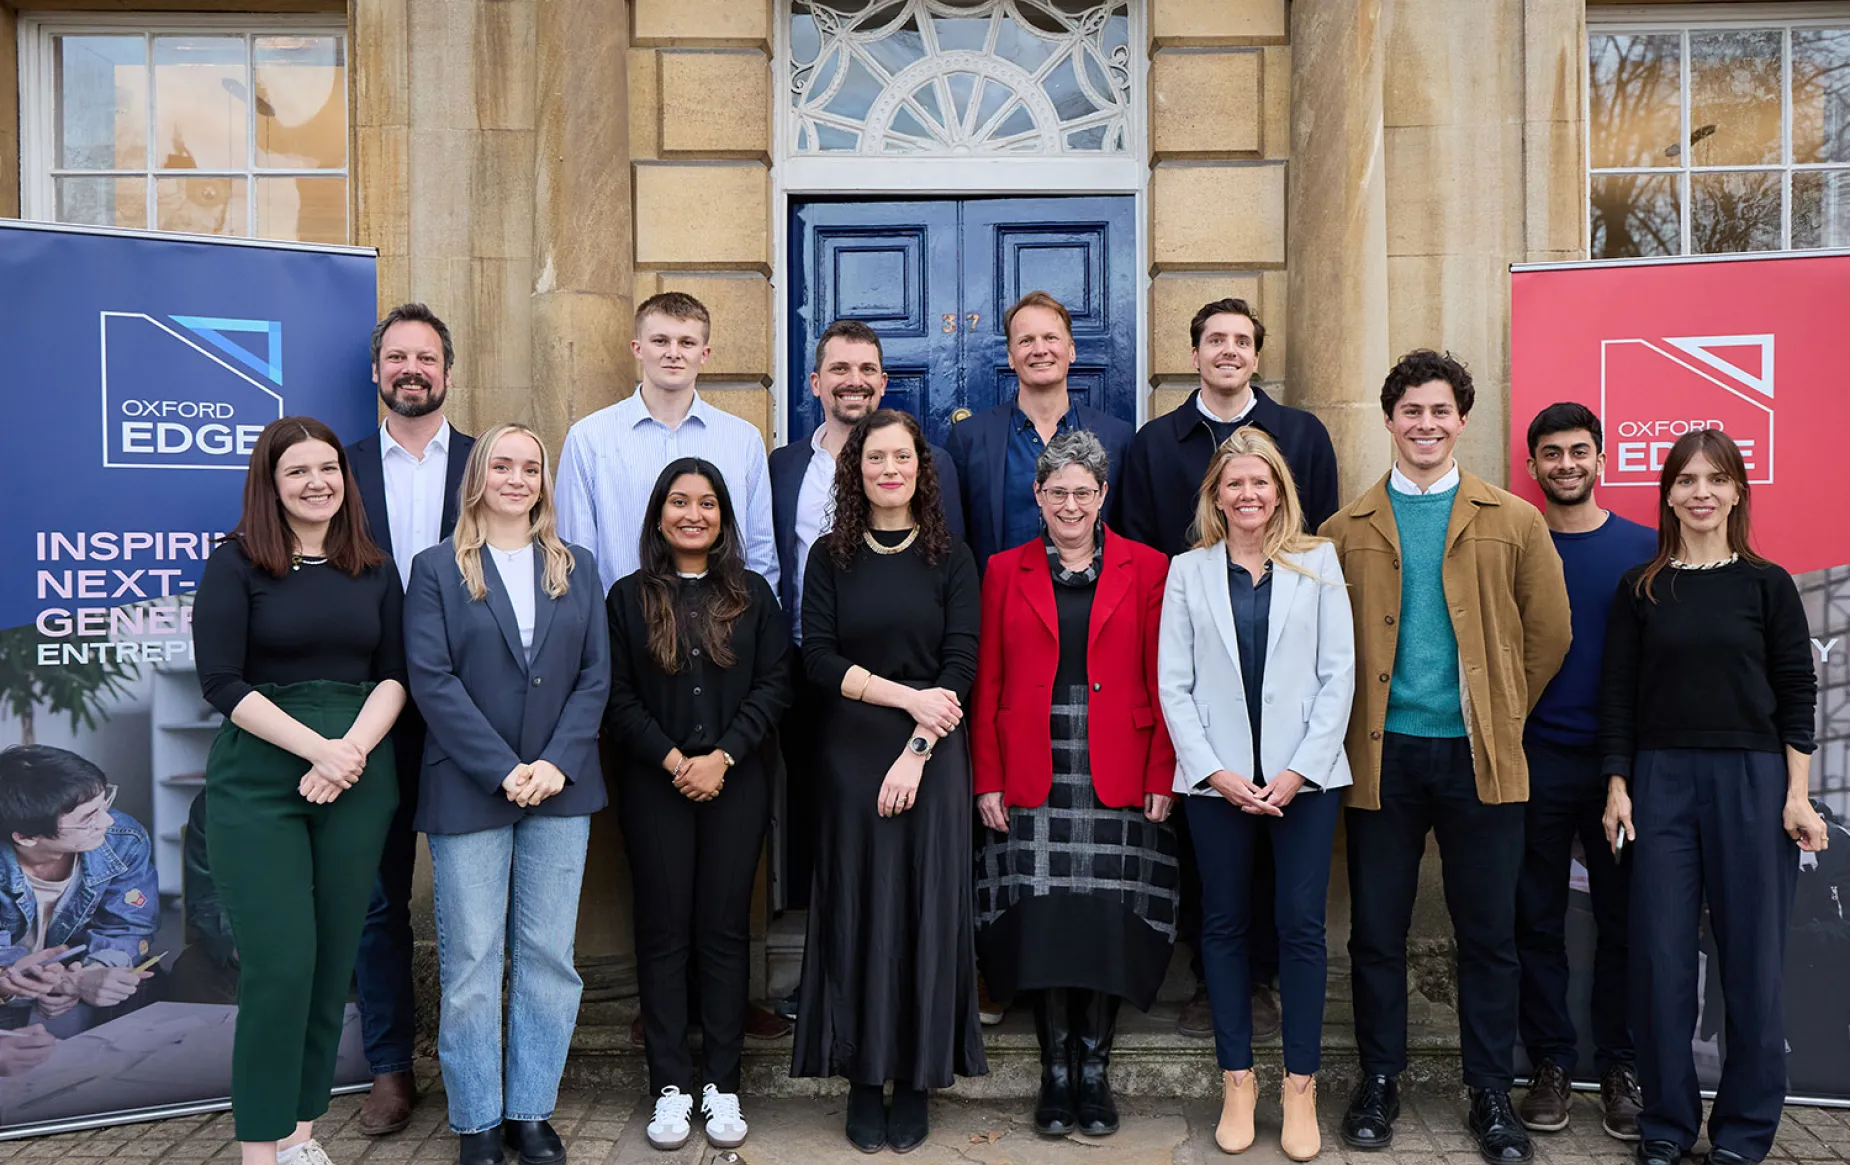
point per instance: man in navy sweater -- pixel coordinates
(1567, 793)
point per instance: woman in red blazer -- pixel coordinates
(1078, 876)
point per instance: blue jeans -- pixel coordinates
(509, 892)
(1227, 842)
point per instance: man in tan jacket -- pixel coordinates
(1461, 619)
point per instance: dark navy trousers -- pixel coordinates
(1567, 798)
(388, 1008)
(1228, 850)
(1710, 833)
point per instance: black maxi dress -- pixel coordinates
(889, 968)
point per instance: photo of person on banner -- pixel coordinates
(82, 902)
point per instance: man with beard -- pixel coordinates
(407, 475)
(1567, 793)
(849, 379)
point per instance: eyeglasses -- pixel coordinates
(1059, 496)
(95, 817)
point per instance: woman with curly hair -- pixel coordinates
(890, 612)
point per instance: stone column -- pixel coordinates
(580, 358)
(1336, 254)
(9, 111)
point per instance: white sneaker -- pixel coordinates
(726, 1129)
(671, 1128)
(310, 1152)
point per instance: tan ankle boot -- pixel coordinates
(1238, 1099)
(1300, 1139)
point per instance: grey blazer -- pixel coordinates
(486, 708)
(1309, 679)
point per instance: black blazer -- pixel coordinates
(980, 446)
(487, 708)
(789, 463)
(701, 707)
(369, 477)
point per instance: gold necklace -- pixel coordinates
(874, 545)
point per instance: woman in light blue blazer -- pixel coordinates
(509, 656)
(1256, 671)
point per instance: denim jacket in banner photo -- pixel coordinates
(114, 906)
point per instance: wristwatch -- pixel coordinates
(727, 757)
(920, 746)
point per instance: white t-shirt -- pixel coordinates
(48, 895)
(516, 570)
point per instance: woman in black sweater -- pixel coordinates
(1706, 731)
(699, 676)
(297, 631)
(890, 612)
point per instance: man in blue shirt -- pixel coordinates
(1567, 793)
(996, 450)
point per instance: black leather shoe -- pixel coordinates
(1095, 1021)
(787, 1006)
(867, 1117)
(482, 1148)
(910, 1122)
(1055, 1113)
(1501, 1139)
(534, 1142)
(1658, 1153)
(1373, 1109)
(1720, 1156)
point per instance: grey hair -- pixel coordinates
(1080, 447)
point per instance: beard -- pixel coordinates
(1563, 496)
(433, 396)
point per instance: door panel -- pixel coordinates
(1081, 251)
(933, 279)
(893, 266)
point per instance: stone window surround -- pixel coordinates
(1605, 18)
(38, 104)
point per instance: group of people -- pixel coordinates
(991, 671)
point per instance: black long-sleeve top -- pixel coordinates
(898, 616)
(702, 707)
(314, 623)
(1722, 659)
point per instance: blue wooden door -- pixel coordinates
(933, 278)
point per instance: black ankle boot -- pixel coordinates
(910, 1123)
(867, 1117)
(1055, 1114)
(1095, 1021)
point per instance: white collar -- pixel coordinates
(1401, 483)
(1252, 400)
(815, 441)
(632, 410)
(439, 443)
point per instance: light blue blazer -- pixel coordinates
(1309, 678)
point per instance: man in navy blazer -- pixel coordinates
(996, 450)
(407, 474)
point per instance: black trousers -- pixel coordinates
(693, 865)
(1710, 830)
(1428, 786)
(1567, 797)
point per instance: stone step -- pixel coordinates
(1149, 1057)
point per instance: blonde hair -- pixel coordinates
(1284, 531)
(543, 520)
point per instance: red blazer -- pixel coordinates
(1011, 741)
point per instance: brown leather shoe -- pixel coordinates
(1266, 1017)
(761, 1023)
(1619, 1095)
(387, 1109)
(1545, 1108)
(1197, 1018)
(989, 1012)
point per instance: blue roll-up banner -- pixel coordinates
(136, 370)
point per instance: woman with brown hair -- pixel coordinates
(890, 612)
(1706, 730)
(699, 675)
(297, 631)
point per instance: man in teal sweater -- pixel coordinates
(1461, 619)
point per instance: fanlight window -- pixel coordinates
(960, 77)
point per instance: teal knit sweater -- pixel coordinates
(1423, 698)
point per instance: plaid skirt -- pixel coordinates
(1077, 893)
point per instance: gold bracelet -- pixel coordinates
(861, 693)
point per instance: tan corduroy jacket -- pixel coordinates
(1509, 610)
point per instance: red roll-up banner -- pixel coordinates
(1759, 347)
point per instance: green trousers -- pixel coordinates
(296, 879)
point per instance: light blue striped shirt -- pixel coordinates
(612, 458)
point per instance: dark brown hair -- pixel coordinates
(853, 507)
(1725, 455)
(1423, 366)
(263, 529)
(728, 597)
(853, 330)
(1225, 307)
(414, 313)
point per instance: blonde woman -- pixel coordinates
(509, 658)
(1256, 670)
